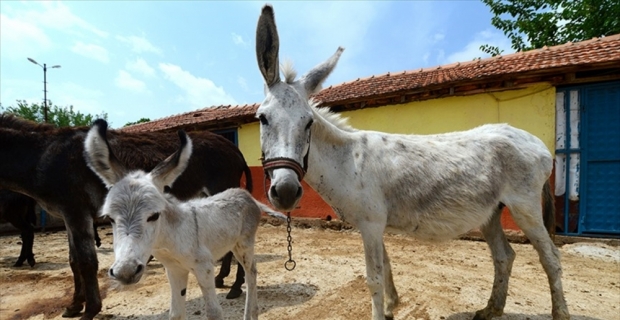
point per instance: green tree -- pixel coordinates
(58, 116)
(532, 24)
(142, 120)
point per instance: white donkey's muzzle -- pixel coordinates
(285, 191)
(286, 175)
(127, 272)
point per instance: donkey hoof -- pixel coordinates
(487, 313)
(71, 312)
(219, 283)
(31, 262)
(479, 316)
(19, 263)
(389, 318)
(234, 293)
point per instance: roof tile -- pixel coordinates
(596, 50)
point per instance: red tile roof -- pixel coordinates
(231, 115)
(594, 51)
(546, 61)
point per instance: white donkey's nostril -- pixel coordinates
(273, 192)
(300, 191)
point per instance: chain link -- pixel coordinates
(290, 264)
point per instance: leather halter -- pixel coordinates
(283, 162)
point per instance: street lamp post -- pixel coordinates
(44, 66)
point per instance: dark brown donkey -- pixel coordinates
(47, 164)
(18, 210)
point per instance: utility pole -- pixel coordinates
(44, 66)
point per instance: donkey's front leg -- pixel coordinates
(177, 277)
(204, 272)
(372, 236)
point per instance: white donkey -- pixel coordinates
(433, 187)
(184, 236)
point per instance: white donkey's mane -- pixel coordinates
(334, 118)
(288, 71)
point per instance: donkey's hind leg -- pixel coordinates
(391, 296)
(529, 218)
(503, 256)
(245, 256)
(235, 290)
(224, 270)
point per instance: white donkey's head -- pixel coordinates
(285, 115)
(134, 202)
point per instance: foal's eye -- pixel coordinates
(263, 120)
(309, 124)
(153, 217)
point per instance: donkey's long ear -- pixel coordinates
(167, 171)
(314, 78)
(99, 155)
(267, 46)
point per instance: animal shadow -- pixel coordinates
(41, 265)
(269, 297)
(516, 316)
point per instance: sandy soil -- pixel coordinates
(435, 281)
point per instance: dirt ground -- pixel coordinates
(435, 281)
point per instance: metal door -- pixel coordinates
(600, 158)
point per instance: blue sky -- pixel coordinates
(152, 59)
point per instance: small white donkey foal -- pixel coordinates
(184, 236)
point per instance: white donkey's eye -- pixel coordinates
(309, 124)
(153, 217)
(263, 120)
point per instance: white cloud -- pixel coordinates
(425, 58)
(92, 51)
(58, 16)
(21, 39)
(243, 83)
(140, 66)
(238, 40)
(472, 49)
(125, 80)
(198, 92)
(140, 44)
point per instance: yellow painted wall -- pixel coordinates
(531, 109)
(248, 137)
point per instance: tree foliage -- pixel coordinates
(58, 116)
(532, 24)
(142, 120)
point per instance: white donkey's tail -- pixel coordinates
(270, 211)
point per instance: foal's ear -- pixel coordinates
(314, 78)
(167, 171)
(99, 155)
(267, 46)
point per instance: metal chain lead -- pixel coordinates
(290, 264)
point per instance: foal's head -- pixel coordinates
(285, 115)
(134, 202)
